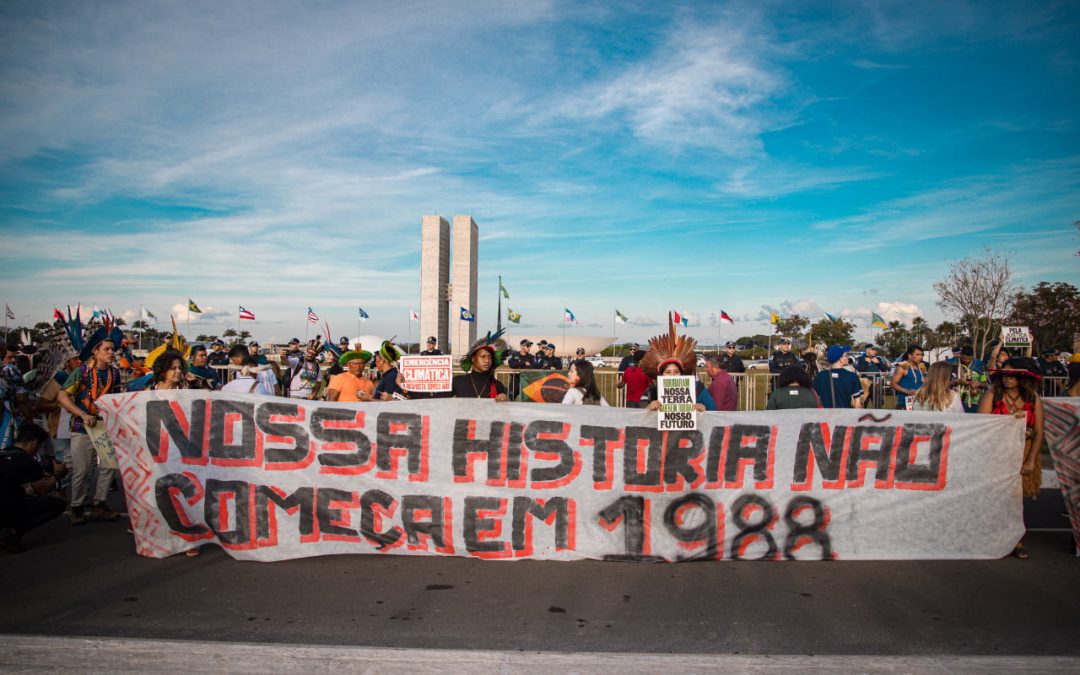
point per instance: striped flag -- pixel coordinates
(363, 315)
(312, 316)
(620, 317)
(724, 317)
(876, 320)
(10, 314)
(245, 314)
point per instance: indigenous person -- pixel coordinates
(22, 509)
(169, 372)
(1014, 391)
(351, 386)
(14, 397)
(583, 389)
(793, 390)
(937, 393)
(304, 376)
(838, 387)
(432, 347)
(479, 364)
(635, 381)
(386, 363)
(250, 379)
(722, 387)
(729, 360)
(200, 374)
(673, 355)
(782, 357)
(628, 360)
(96, 377)
(908, 376)
(970, 377)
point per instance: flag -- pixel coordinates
(724, 317)
(363, 315)
(568, 316)
(620, 317)
(413, 315)
(876, 320)
(312, 316)
(466, 315)
(775, 319)
(191, 307)
(678, 317)
(685, 322)
(512, 316)
(10, 314)
(830, 317)
(245, 314)
(97, 312)
(57, 314)
(502, 289)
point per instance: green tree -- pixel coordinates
(948, 333)
(895, 338)
(1051, 311)
(793, 327)
(828, 332)
(922, 334)
(230, 335)
(244, 335)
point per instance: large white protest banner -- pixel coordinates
(270, 479)
(1062, 422)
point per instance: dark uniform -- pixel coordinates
(732, 363)
(521, 361)
(1053, 369)
(781, 360)
(434, 351)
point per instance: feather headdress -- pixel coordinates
(329, 344)
(670, 348)
(492, 342)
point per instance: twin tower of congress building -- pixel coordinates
(448, 281)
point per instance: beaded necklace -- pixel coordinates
(96, 390)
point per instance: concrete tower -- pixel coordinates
(434, 280)
(466, 237)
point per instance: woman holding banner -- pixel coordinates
(479, 364)
(673, 355)
(169, 372)
(1013, 392)
(583, 389)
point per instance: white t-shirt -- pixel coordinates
(575, 396)
(955, 404)
(241, 384)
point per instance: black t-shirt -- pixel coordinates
(17, 468)
(476, 385)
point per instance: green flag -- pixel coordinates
(620, 317)
(506, 293)
(513, 316)
(192, 307)
(876, 320)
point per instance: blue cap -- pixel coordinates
(836, 352)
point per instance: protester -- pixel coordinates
(168, 371)
(634, 379)
(386, 364)
(1074, 375)
(722, 387)
(22, 510)
(96, 377)
(629, 360)
(479, 364)
(250, 379)
(522, 359)
(782, 357)
(351, 386)
(58, 420)
(838, 387)
(583, 389)
(730, 361)
(304, 374)
(217, 357)
(15, 405)
(809, 363)
(908, 376)
(673, 355)
(971, 378)
(937, 393)
(432, 347)
(1013, 391)
(200, 374)
(793, 390)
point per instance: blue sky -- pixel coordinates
(641, 156)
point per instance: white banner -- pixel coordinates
(272, 478)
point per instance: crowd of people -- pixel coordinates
(47, 469)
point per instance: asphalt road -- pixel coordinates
(87, 581)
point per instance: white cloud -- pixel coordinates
(180, 311)
(898, 311)
(643, 321)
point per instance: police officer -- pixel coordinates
(1052, 367)
(522, 359)
(217, 356)
(782, 357)
(871, 361)
(432, 347)
(730, 361)
(550, 362)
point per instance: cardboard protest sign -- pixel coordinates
(677, 395)
(1015, 336)
(1062, 424)
(426, 374)
(104, 447)
(273, 478)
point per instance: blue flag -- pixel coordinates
(466, 315)
(363, 314)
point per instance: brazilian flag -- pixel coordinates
(543, 386)
(513, 316)
(192, 307)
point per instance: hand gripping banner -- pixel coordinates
(272, 478)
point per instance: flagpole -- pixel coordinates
(718, 334)
(563, 329)
(407, 348)
(307, 325)
(498, 312)
(238, 321)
